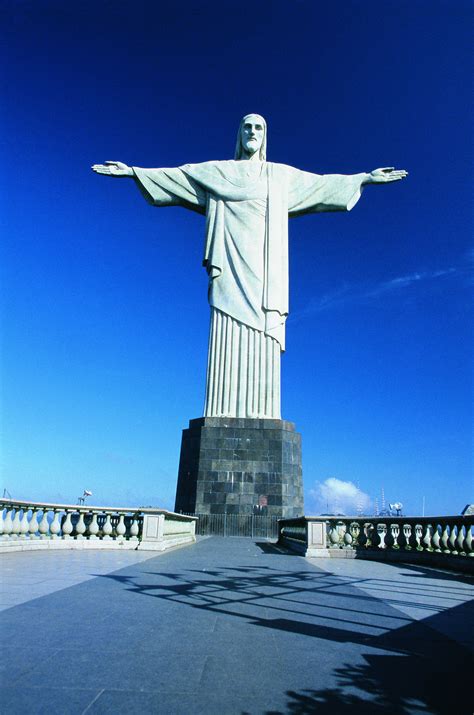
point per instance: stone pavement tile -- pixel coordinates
(114, 702)
(249, 672)
(18, 659)
(29, 575)
(122, 669)
(46, 700)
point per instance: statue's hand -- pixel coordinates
(383, 176)
(113, 168)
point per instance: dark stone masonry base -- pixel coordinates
(240, 466)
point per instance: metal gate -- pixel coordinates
(251, 525)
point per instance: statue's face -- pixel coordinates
(252, 134)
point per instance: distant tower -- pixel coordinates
(383, 501)
(359, 501)
(376, 506)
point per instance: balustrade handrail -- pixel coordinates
(92, 508)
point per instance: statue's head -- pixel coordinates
(252, 137)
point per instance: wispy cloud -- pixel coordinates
(362, 292)
(406, 281)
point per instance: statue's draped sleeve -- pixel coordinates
(170, 187)
(312, 193)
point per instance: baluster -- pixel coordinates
(445, 539)
(435, 539)
(16, 524)
(407, 533)
(334, 535)
(80, 526)
(33, 527)
(427, 537)
(8, 523)
(107, 528)
(43, 527)
(114, 521)
(382, 533)
(418, 536)
(55, 527)
(452, 540)
(346, 537)
(369, 531)
(341, 530)
(354, 529)
(468, 541)
(93, 528)
(134, 528)
(24, 524)
(460, 540)
(395, 533)
(121, 528)
(67, 526)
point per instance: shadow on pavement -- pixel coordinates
(417, 669)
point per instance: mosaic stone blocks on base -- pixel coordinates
(240, 466)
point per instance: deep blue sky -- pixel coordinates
(105, 316)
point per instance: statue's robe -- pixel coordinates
(247, 205)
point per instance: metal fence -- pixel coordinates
(251, 525)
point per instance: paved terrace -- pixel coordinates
(232, 626)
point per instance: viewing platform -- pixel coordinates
(232, 626)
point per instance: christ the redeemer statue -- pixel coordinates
(247, 202)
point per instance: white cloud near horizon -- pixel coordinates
(338, 496)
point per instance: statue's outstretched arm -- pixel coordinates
(385, 175)
(113, 168)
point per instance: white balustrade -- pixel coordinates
(68, 526)
(409, 537)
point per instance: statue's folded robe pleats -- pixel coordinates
(246, 247)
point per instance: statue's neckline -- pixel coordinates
(247, 173)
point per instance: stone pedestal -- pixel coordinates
(240, 466)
